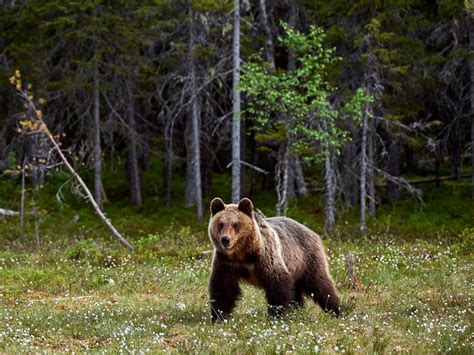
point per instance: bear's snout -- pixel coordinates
(225, 241)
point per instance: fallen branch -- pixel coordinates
(38, 114)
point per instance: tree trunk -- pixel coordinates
(269, 52)
(281, 177)
(437, 163)
(293, 22)
(330, 182)
(168, 162)
(363, 174)
(393, 167)
(370, 169)
(135, 184)
(471, 68)
(456, 148)
(290, 188)
(206, 149)
(330, 179)
(97, 151)
(350, 183)
(299, 177)
(236, 105)
(195, 154)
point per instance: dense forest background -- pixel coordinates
(140, 85)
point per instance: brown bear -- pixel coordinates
(278, 254)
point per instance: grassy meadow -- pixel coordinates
(80, 291)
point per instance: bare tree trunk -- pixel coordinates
(393, 167)
(370, 169)
(290, 187)
(168, 162)
(350, 183)
(236, 105)
(456, 148)
(135, 184)
(292, 21)
(195, 140)
(471, 67)
(299, 177)
(281, 178)
(437, 163)
(330, 178)
(22, 202)
(269, 52)
(206, 148)
(330, 182)
(97, 151)
(363, 174)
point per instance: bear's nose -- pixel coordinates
(225, 241)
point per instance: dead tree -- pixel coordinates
(236, 105)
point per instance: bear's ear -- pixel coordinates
(217, 205)
(246, 206)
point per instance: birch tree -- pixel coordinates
(297, 104)
(236, 105)
(195, 162)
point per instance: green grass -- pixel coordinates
(81, 291)
(416, 297)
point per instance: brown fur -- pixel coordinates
(277, 254)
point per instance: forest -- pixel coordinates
(121, 120)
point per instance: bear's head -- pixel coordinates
(233, 229)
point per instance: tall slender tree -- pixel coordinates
(236, 105)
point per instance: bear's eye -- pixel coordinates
(236, 226)
(220, 226)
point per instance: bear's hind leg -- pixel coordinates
(224, 292)
(323, 292)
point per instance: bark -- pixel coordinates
(189, 191)
(97, 150)
(269, 52)
(350, 183)
(456, 148)
(330, 180)
(471, 68)
(299, 177)
(393, 167)
(293, 22)
(363, 174)
(255, 162)
(437, 163)
(134, 174)
(168, 163)
(194, 163)
(330, 183)
(290, 186)
(22, 202)
(370, 170)
(236, 105)
(281, 177)
(243, 158)
(206, 146)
